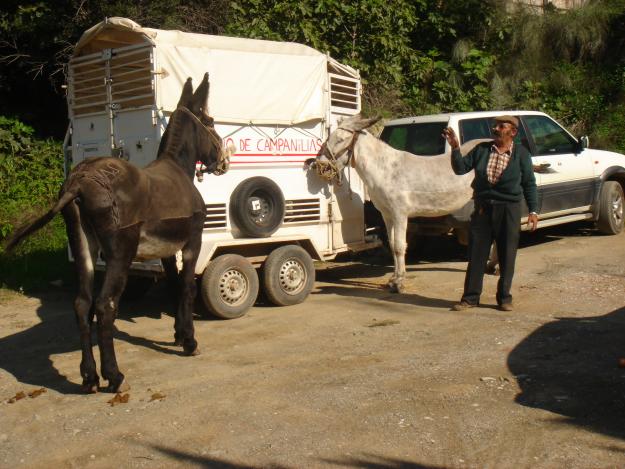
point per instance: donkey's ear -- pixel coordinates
(358, 123)
(187, 94)
(365, 123)
(200, 97)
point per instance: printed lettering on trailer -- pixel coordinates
(274, 150)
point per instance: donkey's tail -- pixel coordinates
(28, 229)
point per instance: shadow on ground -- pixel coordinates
(368, 461)
(356, 289)
(27, 354)
(571, 367)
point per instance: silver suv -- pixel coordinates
(574, 182)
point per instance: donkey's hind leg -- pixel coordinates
(492, 266)
(390, 235)
(184, 330)
(399, 252)
(119, 250)
(84, 249)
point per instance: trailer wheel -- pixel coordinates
(288, 275)
(229, 286)
(257, 207)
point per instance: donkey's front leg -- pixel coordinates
(173, 285)
(184, 330)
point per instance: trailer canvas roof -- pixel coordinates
(251, 80)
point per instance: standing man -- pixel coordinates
(503, 174)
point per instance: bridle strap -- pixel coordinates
(215, 140)
(349, 148)
(329, 169)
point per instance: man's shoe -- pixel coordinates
(462, 306)
(505, 307)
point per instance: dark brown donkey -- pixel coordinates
(126, 213)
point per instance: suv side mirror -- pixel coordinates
(584, 142)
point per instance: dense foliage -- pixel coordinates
(30, 170)
(31, 173)
(415, 57)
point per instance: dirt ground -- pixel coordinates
(354, 377)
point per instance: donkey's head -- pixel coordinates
(191, 137)
(338, 149)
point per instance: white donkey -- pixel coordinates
(401, 185)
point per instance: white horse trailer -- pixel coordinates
(275, 102)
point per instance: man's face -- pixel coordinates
(504, 131)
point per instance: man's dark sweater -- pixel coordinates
(516, 181)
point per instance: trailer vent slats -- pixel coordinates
(302, 210)
(215, 217)
(120, 79)
(344, 93)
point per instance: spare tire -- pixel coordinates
(257, 207)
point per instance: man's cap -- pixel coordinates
(510, 119)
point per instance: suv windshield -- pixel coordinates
(424, 139)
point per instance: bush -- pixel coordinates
(31, 174)
(608, 132)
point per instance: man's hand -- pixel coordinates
(532, 221)
(450, 136)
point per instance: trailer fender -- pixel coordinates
(255, 250)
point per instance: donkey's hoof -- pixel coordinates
(192, 353)
(397, 288)
(118, 385)
(90, 387)
(190, 347)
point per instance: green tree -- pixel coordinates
(370, 35)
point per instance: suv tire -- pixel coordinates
(610, 220)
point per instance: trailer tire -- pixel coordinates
(229, 286)
(257, 207)
(288, 275)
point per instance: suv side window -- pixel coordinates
(482, 128)
(395, 136)
(471, 129)
(423, 139)
(549, 137)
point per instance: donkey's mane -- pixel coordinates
(172, 140)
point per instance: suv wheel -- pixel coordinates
(610, 219)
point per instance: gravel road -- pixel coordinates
(353, 377)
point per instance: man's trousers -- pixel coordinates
(492, 221)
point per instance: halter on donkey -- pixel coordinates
(122, 212)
